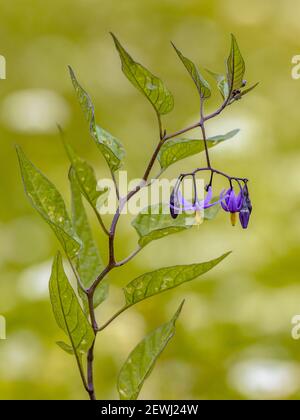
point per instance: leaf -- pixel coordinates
(142, 359)
(89, 263)
(202, 85)
(155, 222)
(235, 67)
(86, 180)
(221, 83)
(245, 91)
(180, 148)
(161, 280)
(45, 198)
(65, 347)
(110, 146)
(149, 85)
(68, 312)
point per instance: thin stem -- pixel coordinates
(76, 275)
(116, 184)
(90, 373)
(129, 258)
(113, 318)
(99, 218)
(184, 130)
(204, 133)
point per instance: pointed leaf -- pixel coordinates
(221, 83)
(245, 91)
(161, 280)
(45, 198)
(86, 180)
(202, 85)
(89, 263)
(235, 67)
(68, 312)
(142, 359)
(155, 222)
(148, 84)
(180, 148)
(65, 347)
(110, 147)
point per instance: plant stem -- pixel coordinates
(90, 373)
(89, 386)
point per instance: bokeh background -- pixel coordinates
(234, 336)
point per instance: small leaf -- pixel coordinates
(68, 312)
(161, 280)
(110, 147)
(148, 84)
(245, 91)
(89, 263)
(45, 198)
(86, 180)
(235, 67)
(202, 85)
(155, 222)
(221, 83)
(180, 148)
(65, 347)
(142, 359)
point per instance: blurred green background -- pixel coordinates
(234, 336)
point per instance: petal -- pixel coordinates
(208, 196)
(186, 205)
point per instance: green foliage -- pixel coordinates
(202, 85)
(161, 280)
(142, 359)
(89, 263)
(86, 180)
(149, 85)
(110, 146)
(180, 148)
(235, 67)
(45, 198)
(155, 222)
(222, 83)
(68, 312)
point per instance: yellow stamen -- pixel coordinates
(233, 218)
(198, 218)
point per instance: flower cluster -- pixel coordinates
(235, 203)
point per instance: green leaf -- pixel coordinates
(149, 85)
(221, 83)
(65, 347)
(235, 67)
(89, 263)
(45, 198)
(110, 147)
(180, 148)
(245, 91)
(86, 180)
(155, 222)
(161, 280)
(142, 359)
(202, 85)
(68, 312)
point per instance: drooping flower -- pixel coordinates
(246, 208)
(179, 204)
(232, 203)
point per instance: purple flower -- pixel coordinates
(232, 203)
(179, 204)
(246, 209)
